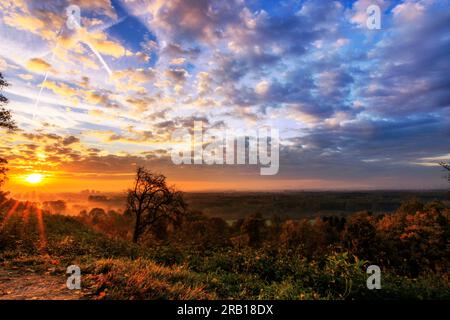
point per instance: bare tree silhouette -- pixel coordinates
(151, 200)
(446, 166)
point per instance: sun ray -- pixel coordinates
(3, 202)
(11, 211)
(26, 212)
(41, 227)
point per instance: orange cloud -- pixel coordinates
(39, 65)
(61, 89)
(29, 23)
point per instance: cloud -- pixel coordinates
(101, 98)
(204, 83)
(28, 23)
(176, 50)
(39, 65)
(332, 83)
(26, 76)
(70, 140)
(262, 87)
(177, 75)
(178, 61)
(98, 40)
(141, 104)
(358, 13)
(46, 18)
(412, 68)
(132, 80)
(61, 89)
(3, 65)
(408, 12)
(185, 20)
(44, 22)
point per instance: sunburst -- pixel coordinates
(34, 178)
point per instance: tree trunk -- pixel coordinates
(136, 228)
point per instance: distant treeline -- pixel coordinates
(304, 203)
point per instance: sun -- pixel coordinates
(34, 178)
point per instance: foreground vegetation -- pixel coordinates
(206, 258)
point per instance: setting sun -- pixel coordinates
(34, 178)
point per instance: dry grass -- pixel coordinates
(144, 279)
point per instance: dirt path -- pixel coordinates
(18, 284)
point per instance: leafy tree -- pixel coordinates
(360, 236)
(305, 236)
(253, 226)
(57, 207)
(3, 170)
(6, 122)
(97, 215)
(202, 232)
(151, 200)
(410, 206)
(276, 222)
(415, 241)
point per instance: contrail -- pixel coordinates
(102, 28)
(103, 62)
(38, 99)
(97, 54)
(99, 58)
(106, 26)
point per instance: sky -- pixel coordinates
(356, 108)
